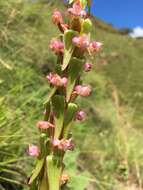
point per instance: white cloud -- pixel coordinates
(137, 32)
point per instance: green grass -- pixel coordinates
(109, 153)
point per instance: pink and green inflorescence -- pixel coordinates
(74, 51)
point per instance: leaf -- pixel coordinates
(37, 170)
(44, 182)
(58, 103)
(71, 110)
(52, 92)
(54, 173)
(7, 66)
(11, 181)
(1, 81)
(74, 70)
(68, 47)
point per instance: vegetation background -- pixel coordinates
(109, 153)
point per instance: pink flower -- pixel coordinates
(81, 41)
(80, 115)
(33, 150)
(83, 90)
(57, 46)
(63, 144)
(56, 142)
(77, 10)
(57, 17)
(44, 125)
(64, 81)
(95, 46)
(56, 80)
(87, 67)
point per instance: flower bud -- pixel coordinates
(56, 46)
(87, 67)
(80, 115)
(64, 179)
(86, 26)
(56, 142)
(83, 90)
(33, 150)
(57, 17)
(95, 46)
(44, 125)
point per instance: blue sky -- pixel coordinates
(120, 13)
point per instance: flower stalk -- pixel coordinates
(72, 49)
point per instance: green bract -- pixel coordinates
(74, 70)
(68, 47)
(69, 115)
(54, 173)
(58, 103)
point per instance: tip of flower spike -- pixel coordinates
(44, 125)
(76, 10)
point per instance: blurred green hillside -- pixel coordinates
(109, 152)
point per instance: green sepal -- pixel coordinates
(68, 47)
(37, 170)
(86, 26)
(54, 173)
(74, 70)
(69, 116)
(58, 103)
